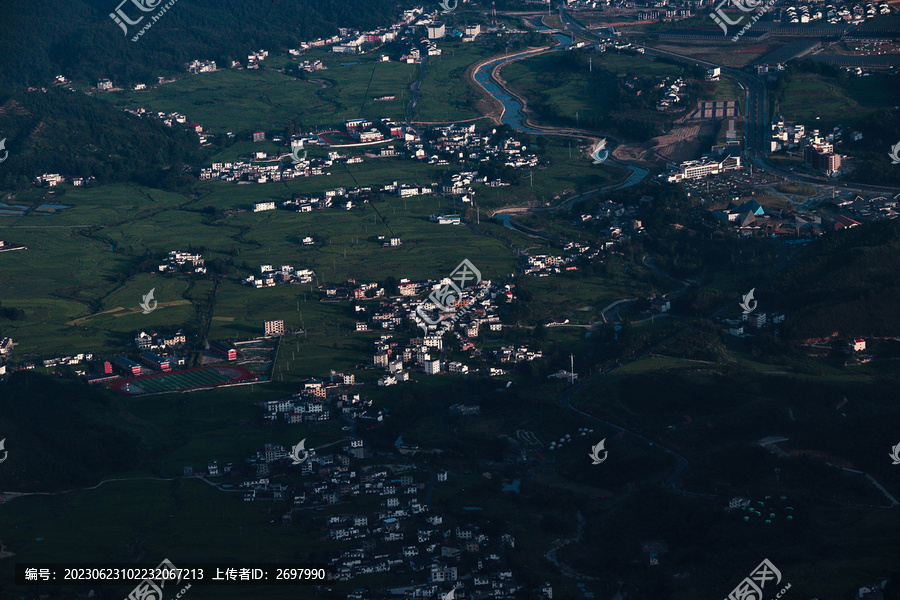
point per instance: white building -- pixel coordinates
(274, 328)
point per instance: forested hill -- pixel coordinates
(41, 39)
(848, 281)
(61, 434)
(74, 134)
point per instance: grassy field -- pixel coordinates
(822, 102)
(729, 90)
(251, 100)
(266, 99)
(578, 92)
(724, 53)
(445, 94)
(91, 305)
(87, 268)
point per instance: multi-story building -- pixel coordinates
(274, 328)
(695, 169)
(822, 158)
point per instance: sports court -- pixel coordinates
(181, 381)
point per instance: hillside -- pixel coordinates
(79, 40)
(76, 135)
(59, 435)
(848, 282)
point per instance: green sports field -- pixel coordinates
(182, 380)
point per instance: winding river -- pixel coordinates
(512, 107)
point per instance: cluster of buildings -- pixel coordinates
(460, 184)
(818, 150)
(248, 172)
(475, 309)
(201, 66)
(400, 533)
(517, 354)
(147, 343)
(345, 199)
(54, 179)
(270, 277)
(311, 66)
(671, 94)
(755, 321)
(365, 131)
(425, 353)
(464, 146)
(254, 58)
(169, 119)
(821, 157)
(619, 220)
(152, 340)
(74, 359)
(184, 262)
(750, 218)
(852, 12)
(319, 400)
(305, 406)
(861, 210)
(544, 265)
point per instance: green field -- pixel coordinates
(671, 395)
(250, 100)
(181, 380)
(590, 90)
(445, 94)
(822, 102)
